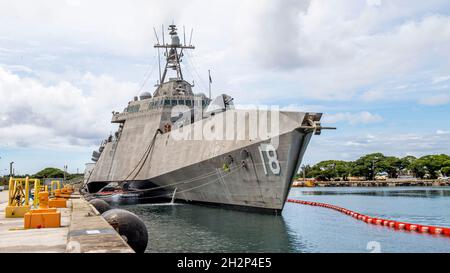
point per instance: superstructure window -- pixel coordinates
(189, 103)
(167, 102)
(174, 102)
(180, 102)
(133, 109)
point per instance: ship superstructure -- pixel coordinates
(183, 145)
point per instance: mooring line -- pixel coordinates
(396, 225)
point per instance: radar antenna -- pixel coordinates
(174, 52)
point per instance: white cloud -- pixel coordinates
(342, 48)
(352, 146)
(305, 108)
(435, 100)
(373, 95)
(34, 114)
(442, 132)
(324, 50)
(373, 2)
(17, 68)
(440, 79)
(353, 118)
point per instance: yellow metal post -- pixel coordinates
(43, 203)
(58, 186)
(37, 190)
(27, 191)
(11, 188)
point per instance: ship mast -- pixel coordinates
(174, 52)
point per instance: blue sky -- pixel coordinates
(378, 70)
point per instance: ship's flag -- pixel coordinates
(210, 79)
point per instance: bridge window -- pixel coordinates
(174, 102)
(180, 102)
(133, 109)
(189, 103)
(167, 102)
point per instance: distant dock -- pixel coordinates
(82, 230)
(373, 183)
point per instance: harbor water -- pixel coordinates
(193, 228)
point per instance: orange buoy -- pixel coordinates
(434, 230)
(446, 231)
(378, 222)
(410, 227)
(423, 229)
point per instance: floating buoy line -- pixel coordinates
(396, 225)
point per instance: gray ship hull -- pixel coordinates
(221, 172)
(245, 185)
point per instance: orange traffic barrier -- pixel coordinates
(381, 222)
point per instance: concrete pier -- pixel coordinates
(83, 231)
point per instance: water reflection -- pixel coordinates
(402, 192)
(192, 228)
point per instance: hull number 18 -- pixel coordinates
(269, 159)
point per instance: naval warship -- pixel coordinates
(184, 146)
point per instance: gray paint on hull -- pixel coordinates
(207, 182)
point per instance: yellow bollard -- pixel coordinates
(44, 216)
(43, 200)
(58, 201)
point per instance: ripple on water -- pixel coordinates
(191, 228)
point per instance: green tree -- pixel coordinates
(391, 165)
(431, 165)
(50, 173)
(369, 165)
(330, 169)
(445, 171)
(407, 162)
